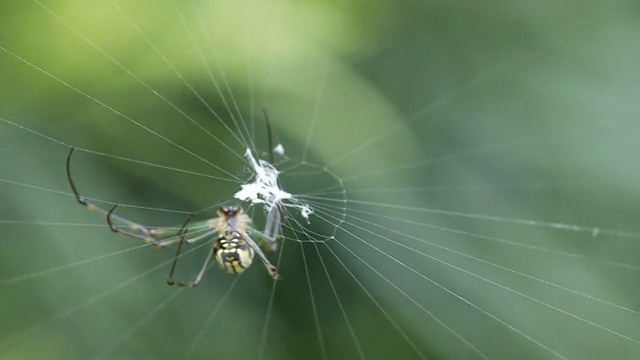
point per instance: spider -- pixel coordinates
(233, 248)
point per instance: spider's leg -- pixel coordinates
(269, 136)
(273, 227)
(81, 200)
(272, 270)
(147, 234)
(200, 275)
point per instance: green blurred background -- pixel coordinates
(487, 152)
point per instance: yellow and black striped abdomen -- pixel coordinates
(232, 252)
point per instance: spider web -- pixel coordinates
(457, 181)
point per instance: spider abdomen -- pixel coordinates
(232, 252)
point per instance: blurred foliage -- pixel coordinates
(426, 113)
